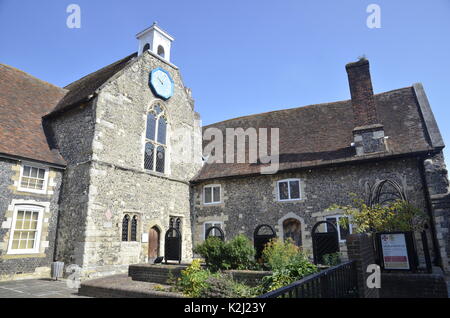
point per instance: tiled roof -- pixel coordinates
(322, 134)
(24, 99)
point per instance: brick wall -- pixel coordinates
(408, 285)
(360, 248)
(393, 284)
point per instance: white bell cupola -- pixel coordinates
(156, 40)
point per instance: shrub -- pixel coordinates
(278, 254)
(394, 216)
(239, 253)
(212, 250)
(287, 262)
(298, 268)
(332, 259)
(235, 254)
(223, 286)
(193, 279)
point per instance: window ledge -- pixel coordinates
(25, 255)
(290, 200)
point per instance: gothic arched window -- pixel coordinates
(133, 232)
(156, 140)
(125, 223)
(130, 228)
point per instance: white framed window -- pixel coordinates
(209, 224)
(212, 194)
(155, 152)
(33, 178)
(289, 190)
(342, 232)
(26, 229)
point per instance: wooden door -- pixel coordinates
(153, 242)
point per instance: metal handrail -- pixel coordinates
(318, 277)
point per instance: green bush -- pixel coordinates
(193, 279)
(235, 254)
(278, 254)
(287, 262)
(239, 253)
(223, 286)
(331, 259)
(212, 250)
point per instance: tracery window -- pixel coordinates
(156, 140)
(125, 223)
(130, 228)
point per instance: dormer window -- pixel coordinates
(156, 140)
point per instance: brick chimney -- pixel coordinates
(368, 133)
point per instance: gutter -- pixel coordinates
(19, 158)
(325, 165)
(437, 253)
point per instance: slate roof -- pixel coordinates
(321, 134)
(24, 99)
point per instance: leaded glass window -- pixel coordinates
(149, 158)
(134, 222)
(160, 159)
(125, 227)
(156, 139)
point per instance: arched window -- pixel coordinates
(175, 222)
(125, 223)
(161, 51)
(134, 222)
(130, 228)
(146, 47)
(156, 140)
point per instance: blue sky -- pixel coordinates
(243, 57)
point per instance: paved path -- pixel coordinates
(36, 288)
(448, 286)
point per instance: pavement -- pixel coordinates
(448, 286)
(37, 288)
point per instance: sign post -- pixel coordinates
(397, 251)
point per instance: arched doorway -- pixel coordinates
(292, 229)
(153, 242)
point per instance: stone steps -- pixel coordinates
(122, 286)
(160, 274)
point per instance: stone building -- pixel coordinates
(95, 173)
(30, 176)
(326, 153)
(116, 166)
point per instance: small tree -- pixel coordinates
(398, 215)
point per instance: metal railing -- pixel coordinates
(336, 282)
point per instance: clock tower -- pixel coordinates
(156, 40)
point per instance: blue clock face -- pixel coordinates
(161, 83)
